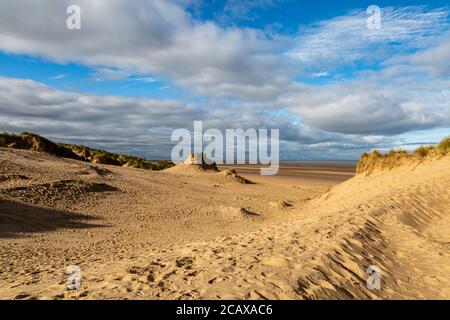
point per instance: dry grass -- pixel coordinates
(422, 151)
(444, 146)
(369, 162)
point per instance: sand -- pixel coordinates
(189, 234)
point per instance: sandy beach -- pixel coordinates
(308, 233)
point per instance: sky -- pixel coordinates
(137, 70)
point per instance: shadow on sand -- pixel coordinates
(18, 218)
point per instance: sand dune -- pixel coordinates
(184, 235)
(201, 168)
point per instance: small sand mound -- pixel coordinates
(188, 168)
(239, 213)
(231, 176)
(93, 170)
(281, 204)
(195, 163)
(226, 176)
(59, 191)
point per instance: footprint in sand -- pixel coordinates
(185, 262)
(228, 269)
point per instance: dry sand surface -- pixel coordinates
(190, 234)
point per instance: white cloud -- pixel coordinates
(58, 77)
(374, 104)
(142, 79)
(321, 74)
(347, 39)
(109, 74)
(155, 38)
(409, 92)
(435, 60)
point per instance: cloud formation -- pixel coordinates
(435, 60)
(379, 103)
(146, 37)
(347, 39)
(246, 77)
(144, 126)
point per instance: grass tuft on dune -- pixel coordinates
(370, 162)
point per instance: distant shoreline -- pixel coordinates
(315, 172)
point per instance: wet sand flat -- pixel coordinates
(324, 173)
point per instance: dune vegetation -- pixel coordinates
(34, 142)
(369, 162)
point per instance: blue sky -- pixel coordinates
(139, 69)
(80, 78)
(290, 15)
